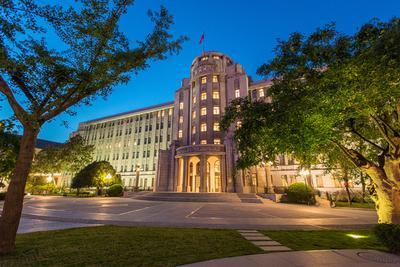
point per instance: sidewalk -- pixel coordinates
(315, 258)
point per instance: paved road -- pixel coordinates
(125, 211)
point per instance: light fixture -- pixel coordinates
(49, 179)
(357, 236)
(108, 176)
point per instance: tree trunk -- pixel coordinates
(13, 204)
(362, 179)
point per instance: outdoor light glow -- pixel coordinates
(357, 236)
(108, 176)
(49, 179)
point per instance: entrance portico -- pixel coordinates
(199, 170)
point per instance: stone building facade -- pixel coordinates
(179, 147)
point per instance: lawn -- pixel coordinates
(355, 205)
(125, 246)
(326, 239)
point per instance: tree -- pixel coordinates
(9, 146)
(67, 158)
(332, 95)
(40, 81)
(97, 174)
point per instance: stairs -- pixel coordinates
(194, 197)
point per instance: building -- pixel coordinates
(179, 146)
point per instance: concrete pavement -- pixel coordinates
(316, 258)
(132, 212)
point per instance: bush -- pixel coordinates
(300, 193)
(389, 235)
(2, 195)
(115, 190)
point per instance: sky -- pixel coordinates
(247, 31)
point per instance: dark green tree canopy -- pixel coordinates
(67, 158)
(335, 100)
(96, 174)
(9, 147)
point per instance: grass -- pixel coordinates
(326, 239)
(125, 246)
(355, 205)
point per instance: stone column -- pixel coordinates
(203, 173)
(223, 173)
(185, 174)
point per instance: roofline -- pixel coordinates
(130, 112)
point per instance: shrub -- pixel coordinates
(300, 193)
(2, 195)
(115, 190)
(389, 235)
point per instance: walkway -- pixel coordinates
(316, 258)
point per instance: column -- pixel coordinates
(185, 174)
(203, 173)
(223, 174)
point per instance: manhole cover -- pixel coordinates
(379, 257)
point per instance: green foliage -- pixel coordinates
(116, 190)
(70, 157)
(300, 193)
(97, 174)
(389, 235)
(9, 147)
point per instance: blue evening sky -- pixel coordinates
(245, 30)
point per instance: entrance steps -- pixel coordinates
(194, 197)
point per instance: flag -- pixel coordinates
(201, 38)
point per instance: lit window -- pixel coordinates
(203, 142)
(194, 100)
(217, 141)
(203, 111)
(180, 106)
(170, 112)
(203, 80)
(216, 126)
(180, 134)
(203, 127)
(261, 92)
(193, 129)
(237, 93)
(216, 110)
(193, 143)
(203, 96)
(216, 57)
(215, 95)
(238, 124)
(180, 119)
(204, 58)
(215, 79)
(193, 114)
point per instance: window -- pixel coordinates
(203, 111)
(194, 100)
(193, 114)
(238, 124)
(180, 119)
(170, 112)
(203, 80)
(216, 126)
(237, 93)
(216, 110)
(204, 58)
(180, 106)
(193, 129)
(203, 96)
(216, 57)
(217, 141)
(180, 134)
(215, 95)
(261, 92)
(203, 142)
(203, 127)
(215, 79)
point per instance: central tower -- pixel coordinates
(201, 157)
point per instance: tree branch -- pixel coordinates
(383, 132)
(353, 130)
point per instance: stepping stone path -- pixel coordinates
(263, 241)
